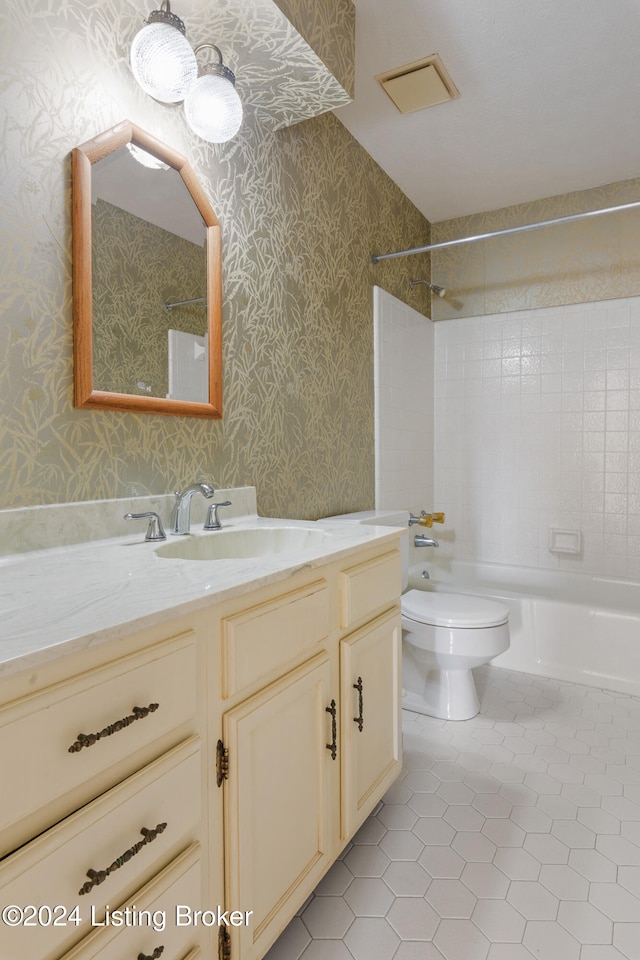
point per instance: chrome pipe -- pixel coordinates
(433, 287)
(503, 233)
(183, 303)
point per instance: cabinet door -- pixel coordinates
(280, 801)
(370, 729)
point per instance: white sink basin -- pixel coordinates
(250, 542)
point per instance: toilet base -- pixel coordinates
(446, 695)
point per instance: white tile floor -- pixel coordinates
(510, 836)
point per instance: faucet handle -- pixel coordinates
(155, 530)
(213, 520)
(426, 519)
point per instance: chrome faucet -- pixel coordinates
(422, 541)
(181, 516)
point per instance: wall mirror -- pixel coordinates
(147, 279)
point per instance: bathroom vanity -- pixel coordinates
(184, 772)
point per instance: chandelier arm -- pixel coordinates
(211, 46)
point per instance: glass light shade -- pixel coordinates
(163, 62)
(213, 108)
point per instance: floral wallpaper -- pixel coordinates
(302, 210)
(586, 260)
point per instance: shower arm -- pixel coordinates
(433, 287)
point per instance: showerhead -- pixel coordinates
(439, 291)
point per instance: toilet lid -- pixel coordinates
(452, 609)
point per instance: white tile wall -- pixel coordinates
(404, 355)
(537, 425)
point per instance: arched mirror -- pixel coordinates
(147, 279)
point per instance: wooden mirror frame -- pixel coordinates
(86, 395)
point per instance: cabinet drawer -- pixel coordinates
(150, 918)
(106, 836)
(369, 587)
(268, 637)
(128, 705)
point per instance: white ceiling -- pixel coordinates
(549, 99)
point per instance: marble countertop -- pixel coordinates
(64, 599)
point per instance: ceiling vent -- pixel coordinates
(418, 85)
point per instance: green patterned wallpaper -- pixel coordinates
(328, 26)
(137, 267)
(302, 210)
(592, 259)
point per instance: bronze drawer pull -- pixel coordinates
(154, 956)
(96, 877)
(224, 944)
(88, 739)
(333, 746)
(360, 718)
(222, 763)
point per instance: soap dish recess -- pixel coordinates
(565, 542)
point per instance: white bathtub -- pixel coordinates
(569, 626)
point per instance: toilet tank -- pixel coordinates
(384, 518)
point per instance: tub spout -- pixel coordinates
(422, 541)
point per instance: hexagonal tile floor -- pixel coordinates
(512, 836)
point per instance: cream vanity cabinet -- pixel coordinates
(370, 730)
(103, 804)
(310, 732)
(224, 757)
(371, 686)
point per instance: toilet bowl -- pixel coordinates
(444, 636)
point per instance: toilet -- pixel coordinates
(444, 636)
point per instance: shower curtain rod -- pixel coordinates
(502, 233)
(183, 303)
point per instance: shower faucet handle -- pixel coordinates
(421, 519)
(426, 519)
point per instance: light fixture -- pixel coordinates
(166, 68)
(212, 106)
(162, 60)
